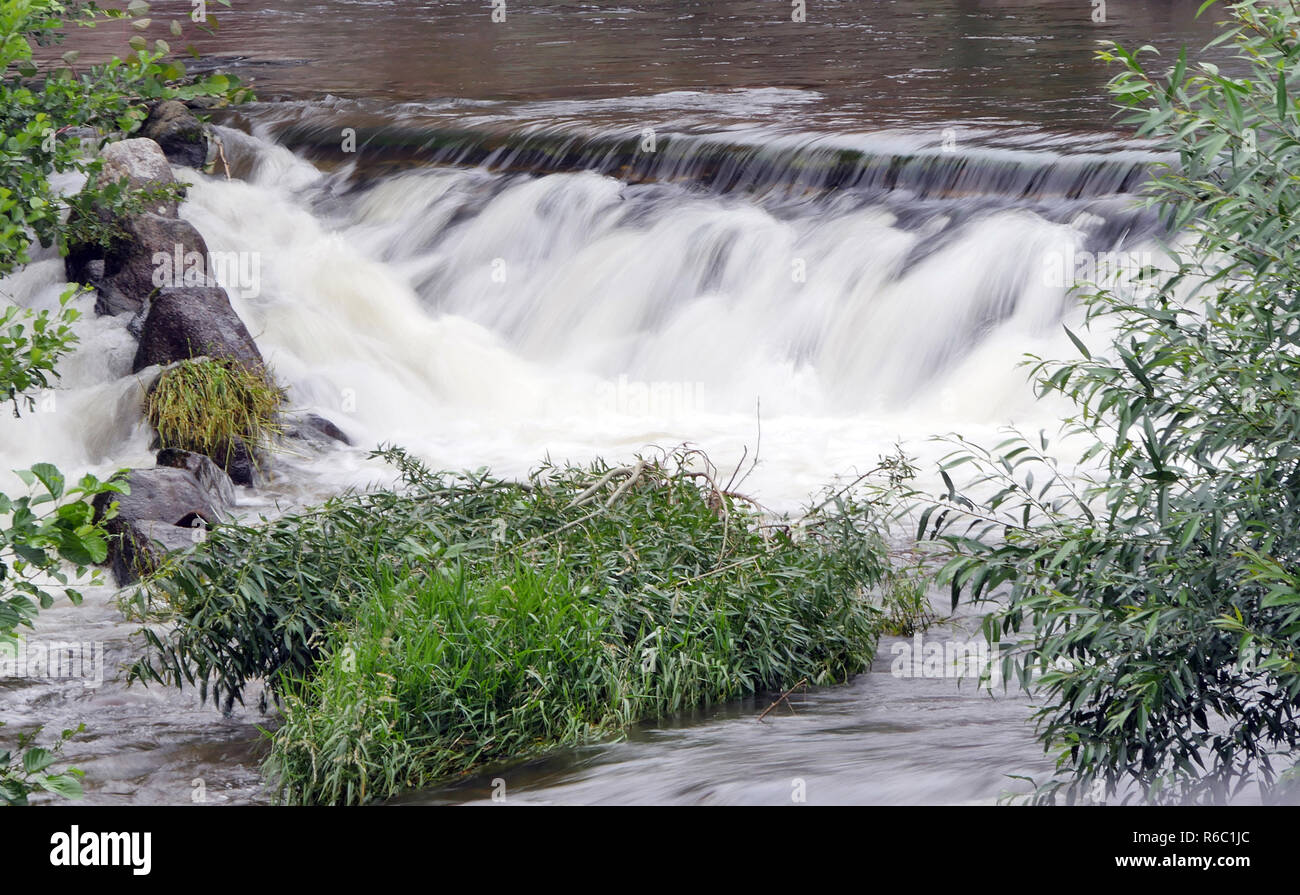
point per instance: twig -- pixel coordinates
(719, 569)
(739, 463)
(221, 153)
(600, 483)
(758, 447)
(633, 473)
(782, 698)
(627, 485)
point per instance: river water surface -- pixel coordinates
(593, 228)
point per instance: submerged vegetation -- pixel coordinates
(1160, 600)
(905, 602)
(416, 633)
(209, 406)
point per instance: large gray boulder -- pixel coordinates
(172, 495)
(141, 547)
(174, 128)
(143, 164)
(192, 322)
(167, 509)
(123, 271)
(157, 252)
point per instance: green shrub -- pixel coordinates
(1160, 599)
(561, 608)
(905, 602)
(434, 676)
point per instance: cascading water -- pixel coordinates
(483, 317)
(501, 298)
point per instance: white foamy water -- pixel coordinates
(482, 319)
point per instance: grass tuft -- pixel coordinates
(209, 405)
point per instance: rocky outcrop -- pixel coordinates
(157, 252)
(174, 128)
(144, 166)
(167, 508)
(157, 267)
(191, 322)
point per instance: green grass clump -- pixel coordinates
(434, 676)
(415, 634)
(209, 405)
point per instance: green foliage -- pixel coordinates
(435, 676)
(96, 214)
(39, 105)
(30, 347)
(41, 533)
(28, 769)
(207, 406)
(559, 608)
(1161, 596)
(906, 602)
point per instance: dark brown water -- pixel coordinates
(852, 63)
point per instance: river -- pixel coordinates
(588, 229)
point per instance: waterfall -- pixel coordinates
(494, 303)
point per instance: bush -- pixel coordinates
(28, 769)
(1162, 596)
(417, 633)
(38, 109)
(209, 406)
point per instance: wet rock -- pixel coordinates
(156, 252)
(184, 323)
(142, 546)
(205, 103)
(211, 476)
(314, 429)
(172, 495)
(143, 164)
(123, 271)
(164, 511)
(244, 465)
(180, 135)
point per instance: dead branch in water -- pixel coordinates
(783, 698)
(221, 153)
